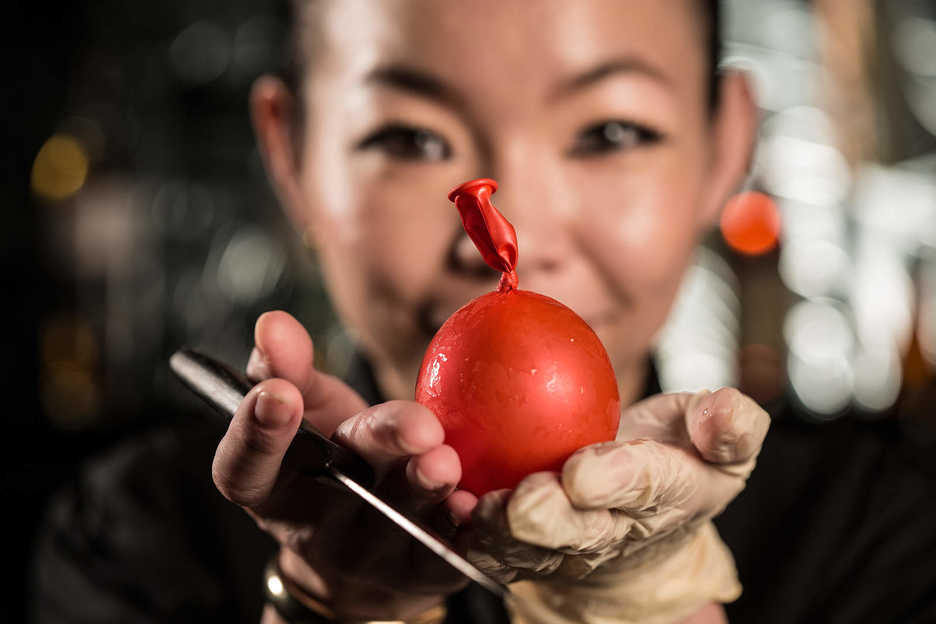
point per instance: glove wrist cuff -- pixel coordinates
(648, 590)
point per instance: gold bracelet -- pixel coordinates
(296, 606)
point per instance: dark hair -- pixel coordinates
(711, 13)
(298, 49)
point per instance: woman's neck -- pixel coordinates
(632, 382)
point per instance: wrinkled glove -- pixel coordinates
(623, 534)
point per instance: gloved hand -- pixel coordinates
(623, 534)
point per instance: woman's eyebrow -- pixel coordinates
(417, 82)
(608, 68)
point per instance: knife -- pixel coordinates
(312, 453)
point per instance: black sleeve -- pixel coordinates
(141, 535)
(836, 526)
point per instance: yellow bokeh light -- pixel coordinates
(60, 168)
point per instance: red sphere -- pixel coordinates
(519, 382)
(750, 223)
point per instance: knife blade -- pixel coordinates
(312, 453)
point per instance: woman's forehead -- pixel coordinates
(511, 40)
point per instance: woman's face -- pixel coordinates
(591, 116)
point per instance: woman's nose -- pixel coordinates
(466, 259)
(541, 223)
(541, 233)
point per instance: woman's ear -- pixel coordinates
(734, 127)
(273, 112)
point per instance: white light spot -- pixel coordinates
(816, 331)
(551, 384)
(275, 585)
(877, 379)
(882, 298)
(813, 267)
(821, 343)
(434, 375)
(250, 266)
(804, 170)
(914, 43)
(823, 390)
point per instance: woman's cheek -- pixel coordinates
(648, 238)
(406, 235)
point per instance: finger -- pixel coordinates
(661, 417)
(424, 481)
(247, 460)
(284, 349)
(659, 485)
(539, 512)
(726, 426)
(495, 549)
(433, 475)
(459, 505)
(386, 434)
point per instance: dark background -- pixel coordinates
(172, 158)
(172, 236)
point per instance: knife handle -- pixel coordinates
(223, 389)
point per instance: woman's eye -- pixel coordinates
(407, 143)
(613, 136)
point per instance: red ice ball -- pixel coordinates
(518, 381)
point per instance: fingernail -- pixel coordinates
(272, 410)
(258, 366)
(428, 484)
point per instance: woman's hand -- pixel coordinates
(624, 531)
(333, 546)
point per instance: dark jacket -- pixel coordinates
(837, 524)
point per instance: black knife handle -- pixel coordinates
(223, 389)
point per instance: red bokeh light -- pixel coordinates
(750, 223)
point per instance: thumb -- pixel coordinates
(284, 349)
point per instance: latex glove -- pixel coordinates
(623, 533)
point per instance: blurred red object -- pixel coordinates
(750, 223)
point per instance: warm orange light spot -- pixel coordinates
(750, 223)
(60, 168)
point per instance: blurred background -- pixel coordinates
(138, 219)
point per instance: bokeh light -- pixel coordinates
(821, 343)
(926, 325)
(878, 374)
(814, 267)
(882, 298)
(914, 43)
(797, 159)
(60, 168)
(201, 53)
(69, 353)
(697, 347)
(250, 266)
(750, 223)
(896, 206)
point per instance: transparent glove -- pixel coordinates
(623, 534)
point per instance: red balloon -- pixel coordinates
(518, 380)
